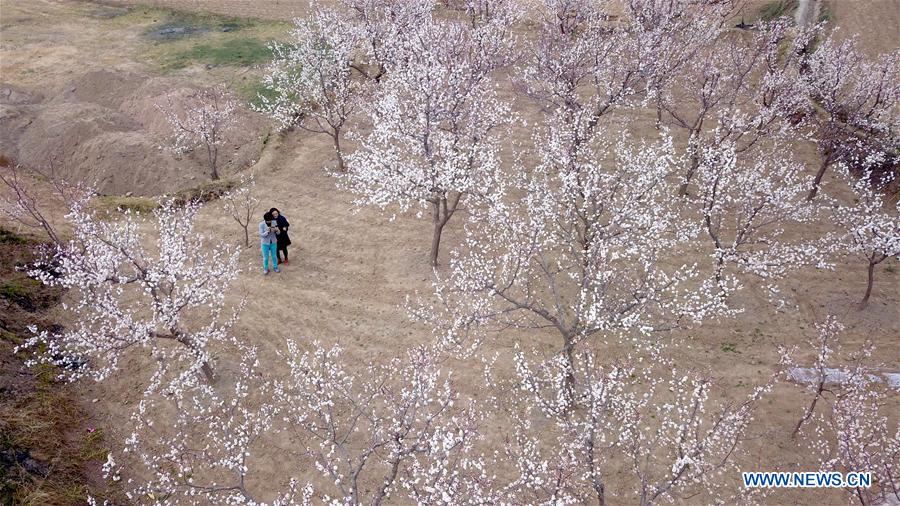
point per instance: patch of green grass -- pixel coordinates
(776, 9)
(23, 291)
(10, 337)
(203, 192)
(92, 447)
(38, 424)
(252, 90)
(18, 288)
(235, 52)
(729, 348)
(45, 374)
(158, 17)
(176, 39)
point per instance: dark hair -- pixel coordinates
(267, 216)
(274, 209)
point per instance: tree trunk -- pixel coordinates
(208, 372)
(188, 343)
(695, 162)
(811, 408)
(569, 392)
(213, 155)
(336, 139)
(818, 180)
(865, 301)
(388, 481)
(246, 236)
(596, 481)
(439, 223)
(205, 367)
(442, 210)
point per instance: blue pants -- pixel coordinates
(270, 250)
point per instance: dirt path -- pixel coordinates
(350, 268)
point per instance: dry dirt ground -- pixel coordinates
(80, 85)
(351, 269)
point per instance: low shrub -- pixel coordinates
(204, 192)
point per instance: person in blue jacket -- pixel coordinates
(268, 241)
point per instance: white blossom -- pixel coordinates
(870, 228)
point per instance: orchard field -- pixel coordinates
(544, 252)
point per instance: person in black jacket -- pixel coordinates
(283, 239)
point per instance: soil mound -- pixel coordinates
(16, 114)
(104, 127)
(102, 87)
(59, 129)
(120, 162)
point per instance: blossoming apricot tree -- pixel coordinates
(435, 123)
(400, 427)
(162, 289)
(848, 426)
(241, 204)
(857, 100)
(674, 439)
(872, 228)
(195, 445)
(586, 249)
(310, 81)
(201, 120)
(739, 90)
(746, 204)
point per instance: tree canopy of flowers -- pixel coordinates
(583, 252)
(847, 425)
(310, 81)
(437, 122)
(870, 230)
(138, 282)
(857, 97)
